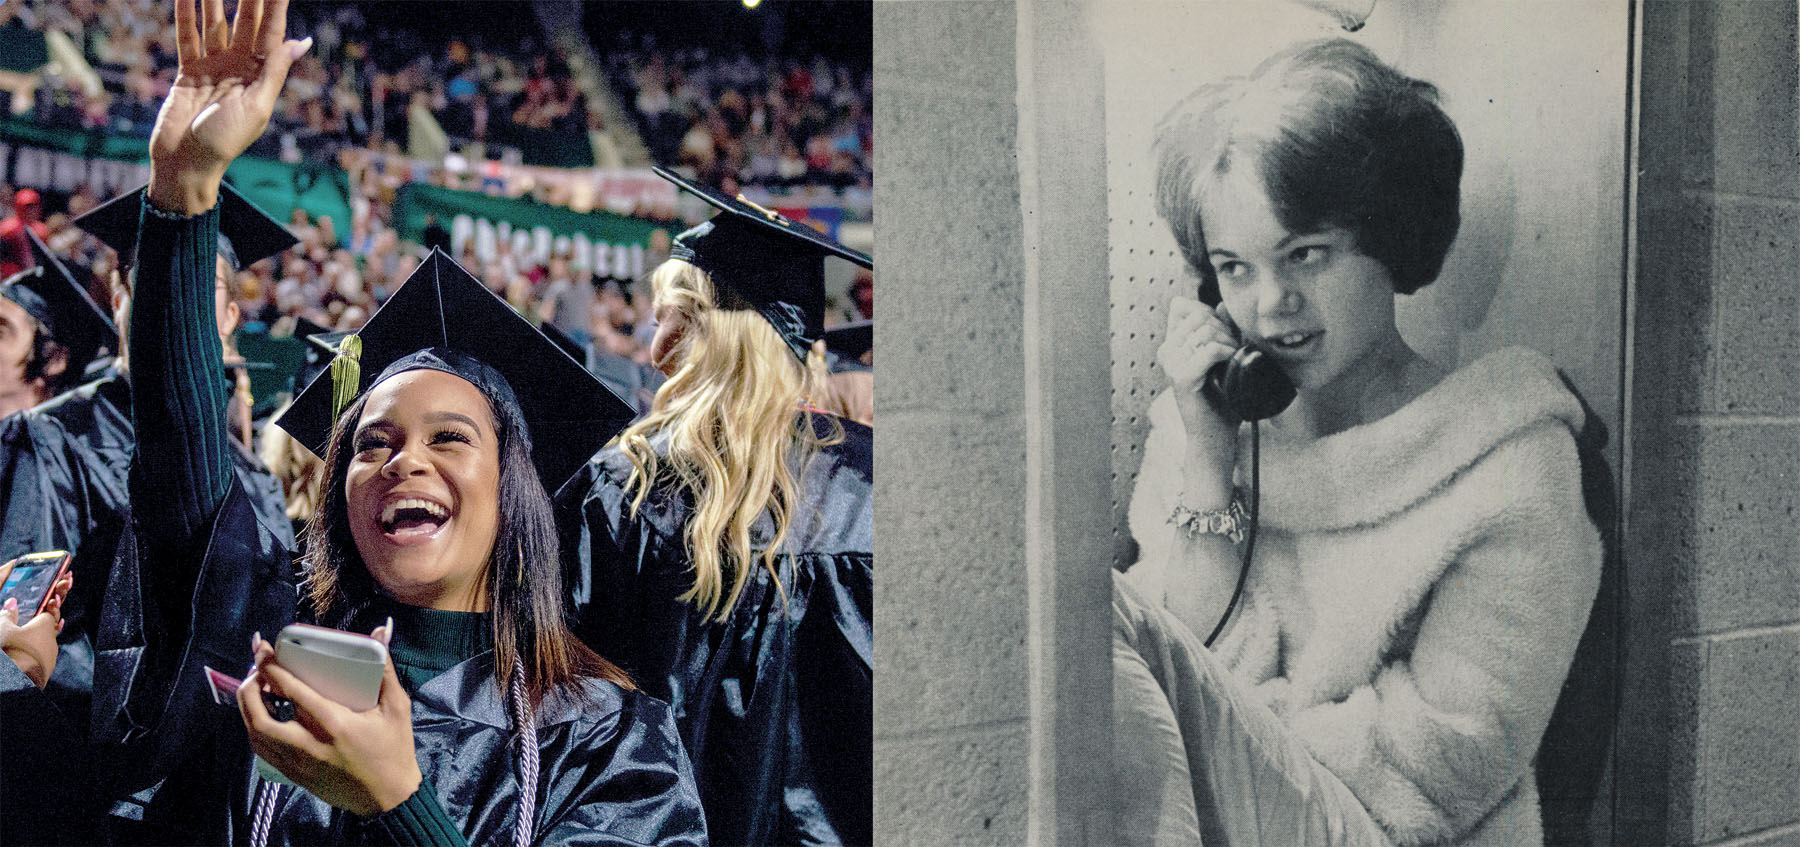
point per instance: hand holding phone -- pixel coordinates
(359, 761)
(344, 667)
(30, 579)
(1247, 385)
(32, 645)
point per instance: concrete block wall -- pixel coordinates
(951, 710)
(1714, 538)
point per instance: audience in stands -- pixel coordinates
(732, 120)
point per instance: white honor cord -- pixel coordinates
(264, 814)
(525, 735)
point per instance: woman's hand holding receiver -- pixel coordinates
(32, 646)
(1197, 338)
(225, 90)
(361, 762)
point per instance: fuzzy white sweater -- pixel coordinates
(1420, 585)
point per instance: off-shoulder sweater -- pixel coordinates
(1420, 584)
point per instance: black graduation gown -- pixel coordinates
(774, 702)
(47, 785)
(63, 470)
(177, 761)
(612, 771)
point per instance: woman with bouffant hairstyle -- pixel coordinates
(722, 547)
(1422, 564)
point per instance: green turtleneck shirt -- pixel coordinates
(424, 644)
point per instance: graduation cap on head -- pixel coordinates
(443, 319)
(774, 264)
(321, 348)
(56, 301)
(247, 234)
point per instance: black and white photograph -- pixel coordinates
(1356, 429)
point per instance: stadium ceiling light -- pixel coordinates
(751, 4)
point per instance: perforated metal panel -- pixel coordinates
(1146, 270)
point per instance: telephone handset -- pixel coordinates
(1249, 386)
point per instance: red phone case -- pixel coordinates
(62, 569)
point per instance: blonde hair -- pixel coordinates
(735, 428)
(301, 474)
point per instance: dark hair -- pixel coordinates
(45, 350)
(523, 574)
(1338, 139)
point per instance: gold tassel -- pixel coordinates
(346, 374)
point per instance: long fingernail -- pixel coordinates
(301, 48)
(388, 634)
(255, 641)
(11, 604)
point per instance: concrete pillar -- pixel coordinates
(993, 672)
(951, 683)
(1715, 409)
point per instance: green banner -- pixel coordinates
(607, 243)
(279, 188)
(61, 160)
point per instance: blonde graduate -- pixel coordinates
(728, 414)
(724, 546)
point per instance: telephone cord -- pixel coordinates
(1250, 539)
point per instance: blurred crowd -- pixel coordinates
(738, 121)
(727, 120)
(356, 87)
(734, 120)
(338, 286)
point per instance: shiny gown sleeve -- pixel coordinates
(623, 781)
(774, 702)
(197, 570)
(46, 786)
(40, 488)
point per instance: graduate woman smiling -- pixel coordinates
(442, 426)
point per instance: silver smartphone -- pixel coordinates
(343, 666)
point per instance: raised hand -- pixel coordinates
(225, 90)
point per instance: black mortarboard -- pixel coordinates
(564, 342)
(774, 264)
(851, 340)
(443, 319)
(247, 234)
(321, 348)
(54, 299)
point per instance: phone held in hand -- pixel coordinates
(345, 667)
(31, 579)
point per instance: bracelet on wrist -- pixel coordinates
(1233, 521)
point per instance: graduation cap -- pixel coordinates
(773, 263)
(563, 341)
(851, 340)
(321, 348)
(56, 301)
(443, 319)
(247, 234)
